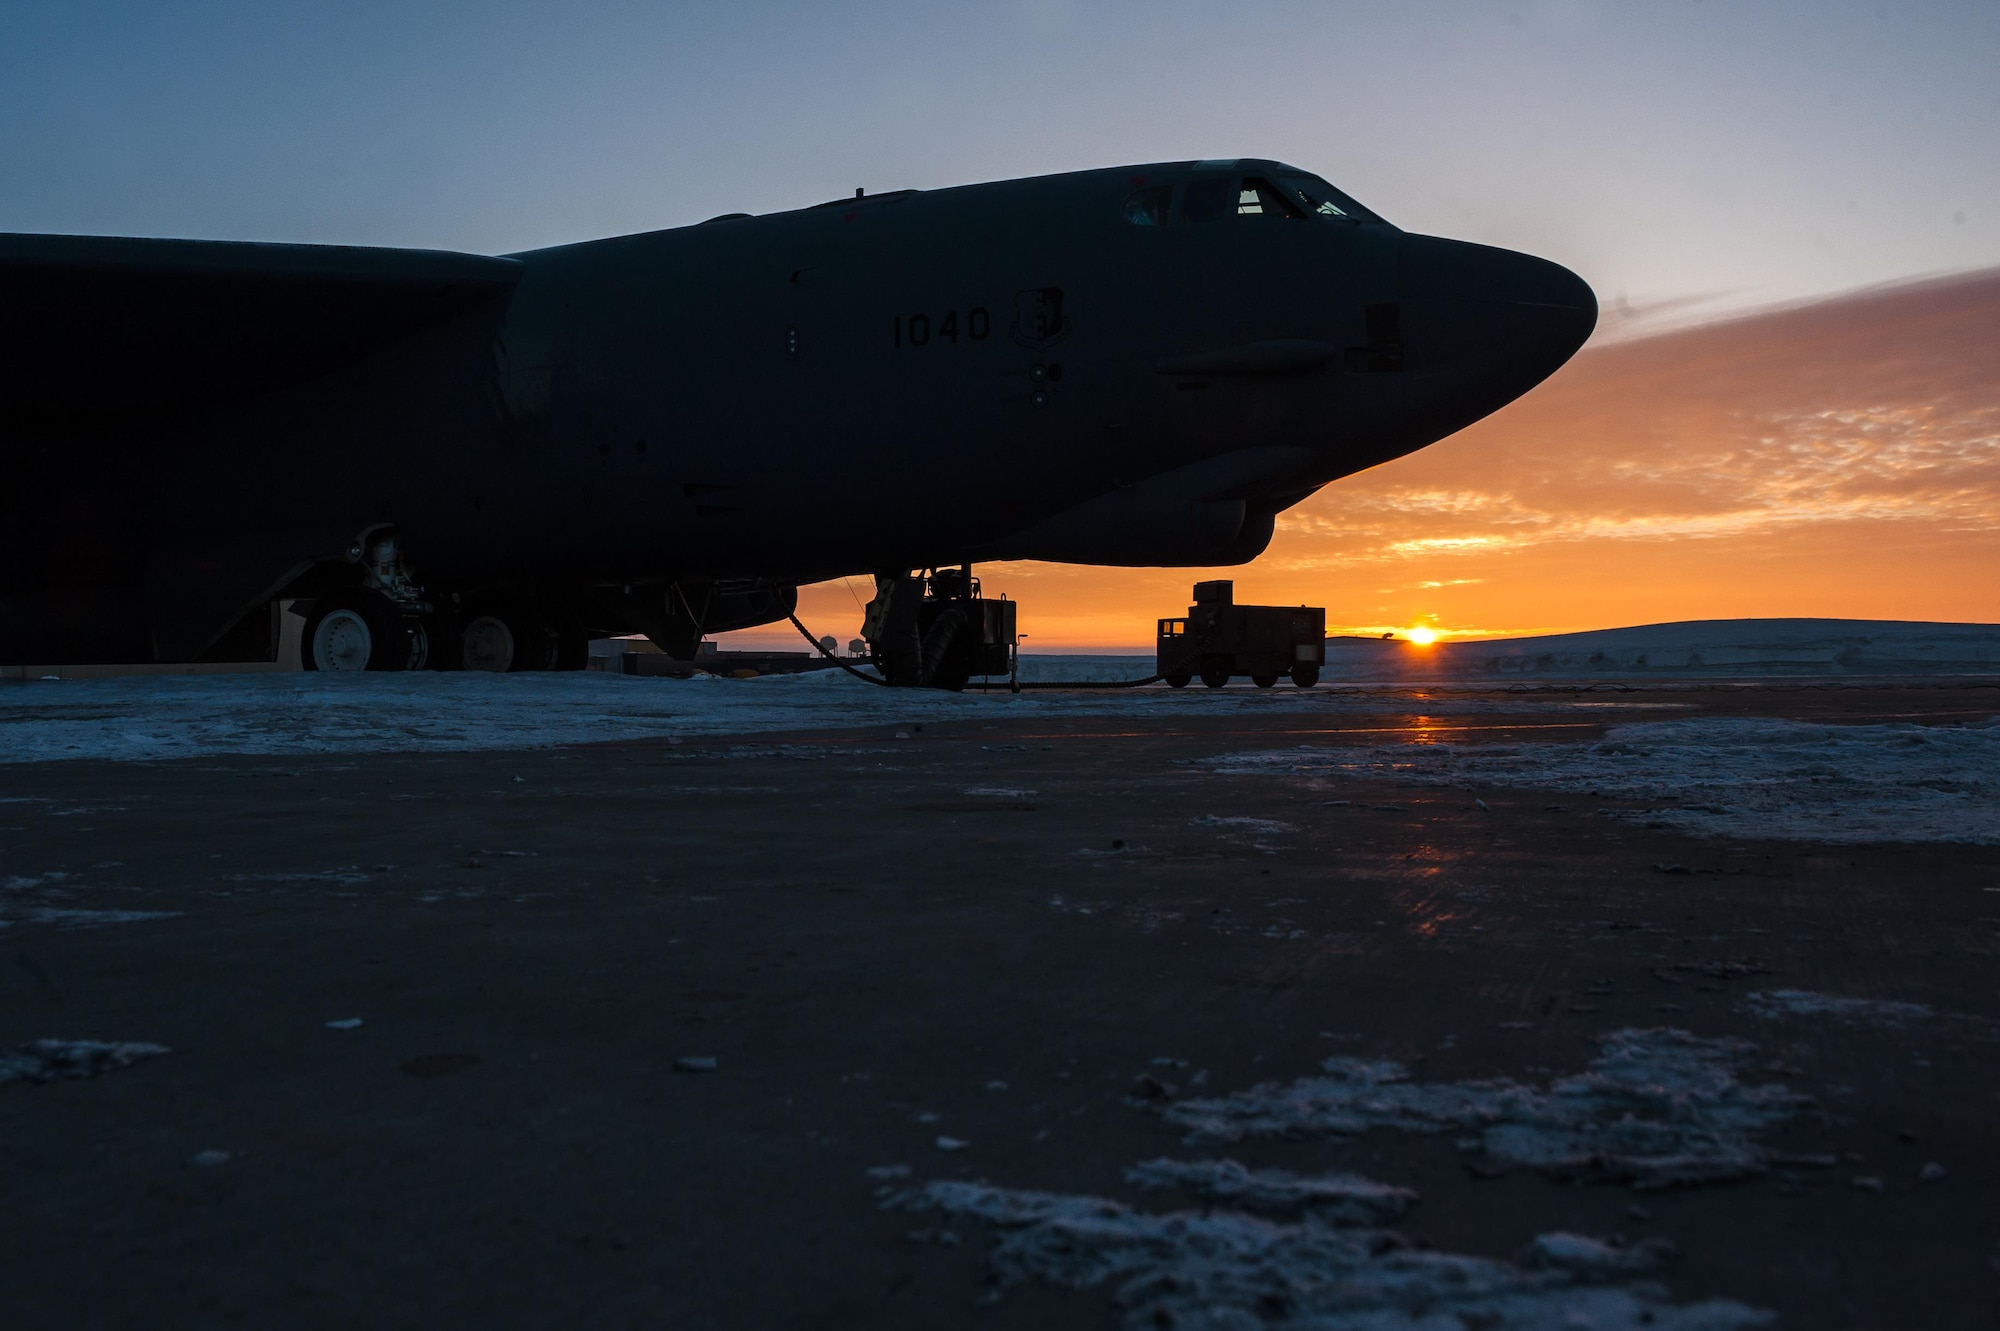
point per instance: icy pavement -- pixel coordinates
(1222, 1269)
(1657, 1108)
(1729, 776)
(187, 715)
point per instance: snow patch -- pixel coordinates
(1727, 776)
(51, 1060)
(1339, 1198)
(1228, 1270)
(1657, 1108)
(1882, 1014)
(83, 919)
(1265, 825)
(1861, 1011)
(1592, 1257)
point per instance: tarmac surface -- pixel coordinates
(438, 1031)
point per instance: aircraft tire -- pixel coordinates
(1215, 673)
(1305, 676)
(489, 643)
(1264, 681)
(1179, 680)
(509, 639)
(359, 630)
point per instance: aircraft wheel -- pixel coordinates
(489, 643)
(1305, 676)
(1264, 681)
(1215, 674)
(419, 640)
(1179, 681)
(360, 631)
(535, 637)
(510, 639)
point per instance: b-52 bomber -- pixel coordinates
(451, 460)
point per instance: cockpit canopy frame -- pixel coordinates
(1215, 191)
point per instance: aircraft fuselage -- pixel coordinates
(1104, 367)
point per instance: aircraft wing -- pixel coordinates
(105, 325)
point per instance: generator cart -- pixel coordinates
(1220, 639)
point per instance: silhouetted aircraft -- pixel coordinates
(448, 459)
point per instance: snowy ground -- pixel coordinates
(185, 715)
(1730, 776)
(1734, 776)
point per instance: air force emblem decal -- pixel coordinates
(1038, 317)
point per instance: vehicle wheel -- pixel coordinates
(945, 661)
(1179, 681)
(1305, 676)
(952, 676)
(1264, 681)
(359, 631)
(1215, 673)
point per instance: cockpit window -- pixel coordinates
(1150, 207)
(1209, 200)
(1323, 200)
(1260, 198)
(1288, 193)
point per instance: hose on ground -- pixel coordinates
(820, 647)
(1091, 683)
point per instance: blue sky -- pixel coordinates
(1723, 153)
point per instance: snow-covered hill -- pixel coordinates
(1702, 648)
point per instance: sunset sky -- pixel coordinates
(1694, 161)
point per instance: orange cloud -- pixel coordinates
(1840, 458)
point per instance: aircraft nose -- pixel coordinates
(1498, 304)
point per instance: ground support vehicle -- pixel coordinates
(1220, 639)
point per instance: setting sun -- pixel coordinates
(1422, 637)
